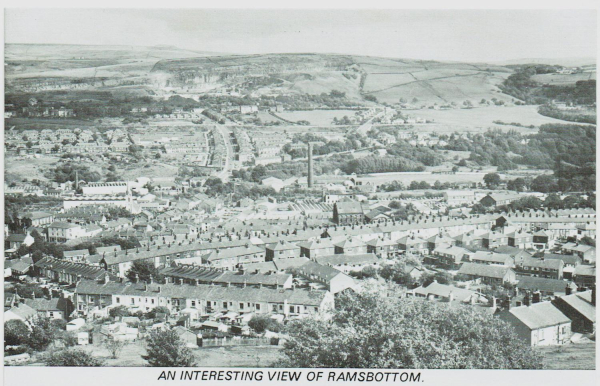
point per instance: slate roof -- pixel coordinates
(316, 244)
(443, 290)
(491, 257)
(349, 207)
(16, 238)
(63, 225)
(539, 263)
(323, 272)
(86, 271)
(283, 264)
(543, 284)
(214, 293)
(350, 243)
(539, 315)
(567, 259)
(341, 259)
(484, 270)
(378, 242)
(78, 252)
(582, 303)
(233, 252)
(23, 311)
(208, 275)
(585, 270)
(282, 245)
(44, 304)
(110, 248)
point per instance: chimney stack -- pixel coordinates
(568, 290)
(537, 297)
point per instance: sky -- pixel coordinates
(448, 35)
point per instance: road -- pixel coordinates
(226, 172)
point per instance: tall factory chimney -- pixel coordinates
(310, 165)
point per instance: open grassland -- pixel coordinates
(564, 79)
(579, 356)
(484, 117)
(233, 356)
(431, 82)
(18, 167)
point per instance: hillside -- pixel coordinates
(156, 70)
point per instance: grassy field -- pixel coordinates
(235, 356)
(16, 167)
(563, 79)
(579, 356)
(431, 82)
(482, 118)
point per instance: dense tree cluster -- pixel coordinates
(406, 333)
(166, 349)
(521, 85)
(377, 164)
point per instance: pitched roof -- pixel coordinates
(585, 270)
(340, 259)
(350, 243)
(323, 272)
(86, 271)
(215, 293)
(63, 225)
(543, 284)
(110, 248)
(78, 252)
(484, 270)
(40, 304)
(282, 245)
(23, 311)
(16, 238)
(349, 207)
(539, 315)
(233, 252)
(498, 258)
(316, 244)
(582, 302)
(444, 290)
(283, 264)
(539, 263)
(567, 259)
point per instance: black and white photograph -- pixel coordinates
(368, 189)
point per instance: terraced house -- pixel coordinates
(230, 258)
(548, 268)
(97, 294)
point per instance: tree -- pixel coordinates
(42, 333)
(261, 323)
(492, 180)
(405, 333)
(553, 201)
(118, 311)
(517, 184)
(166, 349)
(114, 346)
(74, 358)
(144, 270)
(587, 240)
(544, 184)
(15, 332)
(157, 310)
